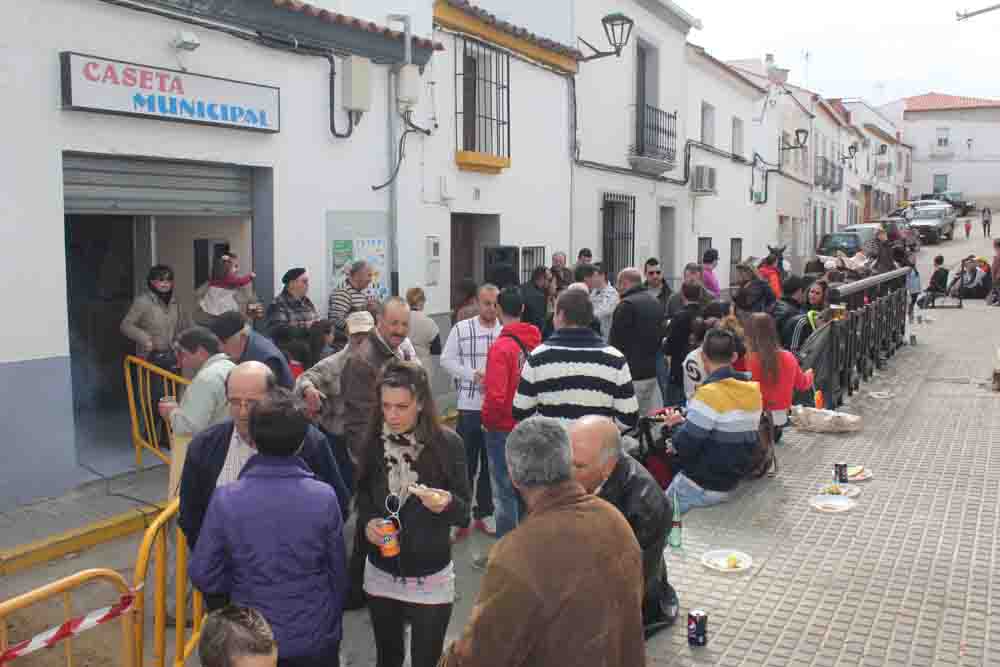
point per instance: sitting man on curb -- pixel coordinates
(715, 442)
(604, 469)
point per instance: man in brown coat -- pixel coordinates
(565, 588)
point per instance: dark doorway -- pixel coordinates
(471, 234)
(100, 285)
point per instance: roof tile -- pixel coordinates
(343, 19)
(939, 102)
(516, 31)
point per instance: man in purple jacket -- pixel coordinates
(273, 540)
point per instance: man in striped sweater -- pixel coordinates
(353, 297)
(575, 373)
(715, 442)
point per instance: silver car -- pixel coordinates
(934, 223)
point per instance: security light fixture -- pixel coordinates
(186, 41)
(618, 30)
(968, 142)
(852, 150)
(883, 149)
(801, 136)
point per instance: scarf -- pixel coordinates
(400, 454)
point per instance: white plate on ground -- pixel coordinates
(718, 560)
(862, 476)
(834, 504)
(846, 490)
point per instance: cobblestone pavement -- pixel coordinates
(908, 577)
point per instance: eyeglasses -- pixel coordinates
(239, 403)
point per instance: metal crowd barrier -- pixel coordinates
(143, 381)
(871, 330)
(154, 549)
(72, 626)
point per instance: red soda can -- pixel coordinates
(697, 628)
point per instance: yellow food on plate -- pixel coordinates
(733, 562)
(854, 471)
(833, 490)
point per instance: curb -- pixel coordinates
(79, 539)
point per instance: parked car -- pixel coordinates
(961, 206)
(848, 243)
(934, 223)
(866, 231)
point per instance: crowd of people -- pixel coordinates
(297, 422)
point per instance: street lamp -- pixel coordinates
(800, 141)
(852, 150)
(617, 30)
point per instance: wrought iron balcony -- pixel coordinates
(654, 146)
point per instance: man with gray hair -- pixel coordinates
(351, 298)
(602, 467)
(565, 588)
(637, 331)
(237, 637)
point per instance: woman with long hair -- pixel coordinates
(777, 370)
(413, 486)
(816, 297)
(321, 342)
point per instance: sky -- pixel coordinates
(880, 50)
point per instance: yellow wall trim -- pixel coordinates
(455, 19)
(483, 163)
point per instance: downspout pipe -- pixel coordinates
(391, 103)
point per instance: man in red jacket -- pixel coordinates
(503, 373)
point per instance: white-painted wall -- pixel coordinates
(313, 172)
(531, 197)
(974, 171)
(730, 213)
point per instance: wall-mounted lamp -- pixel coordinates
(185, 41)
(800, 141)
(883, 149)
(617, 29)
(968, 142)
(852, 150)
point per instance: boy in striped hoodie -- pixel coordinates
(715, 442)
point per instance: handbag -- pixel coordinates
(762, 461)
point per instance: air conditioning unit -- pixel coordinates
(703, 181)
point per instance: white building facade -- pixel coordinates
(955, 144)
(248, 163)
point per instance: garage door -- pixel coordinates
(131, 186)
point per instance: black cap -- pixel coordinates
(226, 325)
(793, 284)
(292, 274)
(585, 252)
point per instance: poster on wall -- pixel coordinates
(343, 252)
(373, 251)
(341, 256)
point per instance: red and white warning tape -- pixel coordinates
(70, 628)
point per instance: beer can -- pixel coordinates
(840, 473)
(697, 628)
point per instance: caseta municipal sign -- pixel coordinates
(97, 84)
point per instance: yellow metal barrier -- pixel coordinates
(65, 587)
(154, 547)
(140, 378)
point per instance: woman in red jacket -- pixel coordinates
(776, 370)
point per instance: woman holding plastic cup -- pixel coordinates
(412, 488)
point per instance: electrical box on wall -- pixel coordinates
(357, 83)
(408, 87)
(433, 258)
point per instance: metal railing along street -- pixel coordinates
(143, 381)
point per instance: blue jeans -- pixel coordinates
(470, 427)
(662, 375)
(690, 495)
(505, 499)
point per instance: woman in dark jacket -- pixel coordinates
(415, 477)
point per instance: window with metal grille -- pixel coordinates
(618, 215)
(532, 257)
(482, 98)
(704, 243)
(735, 256)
